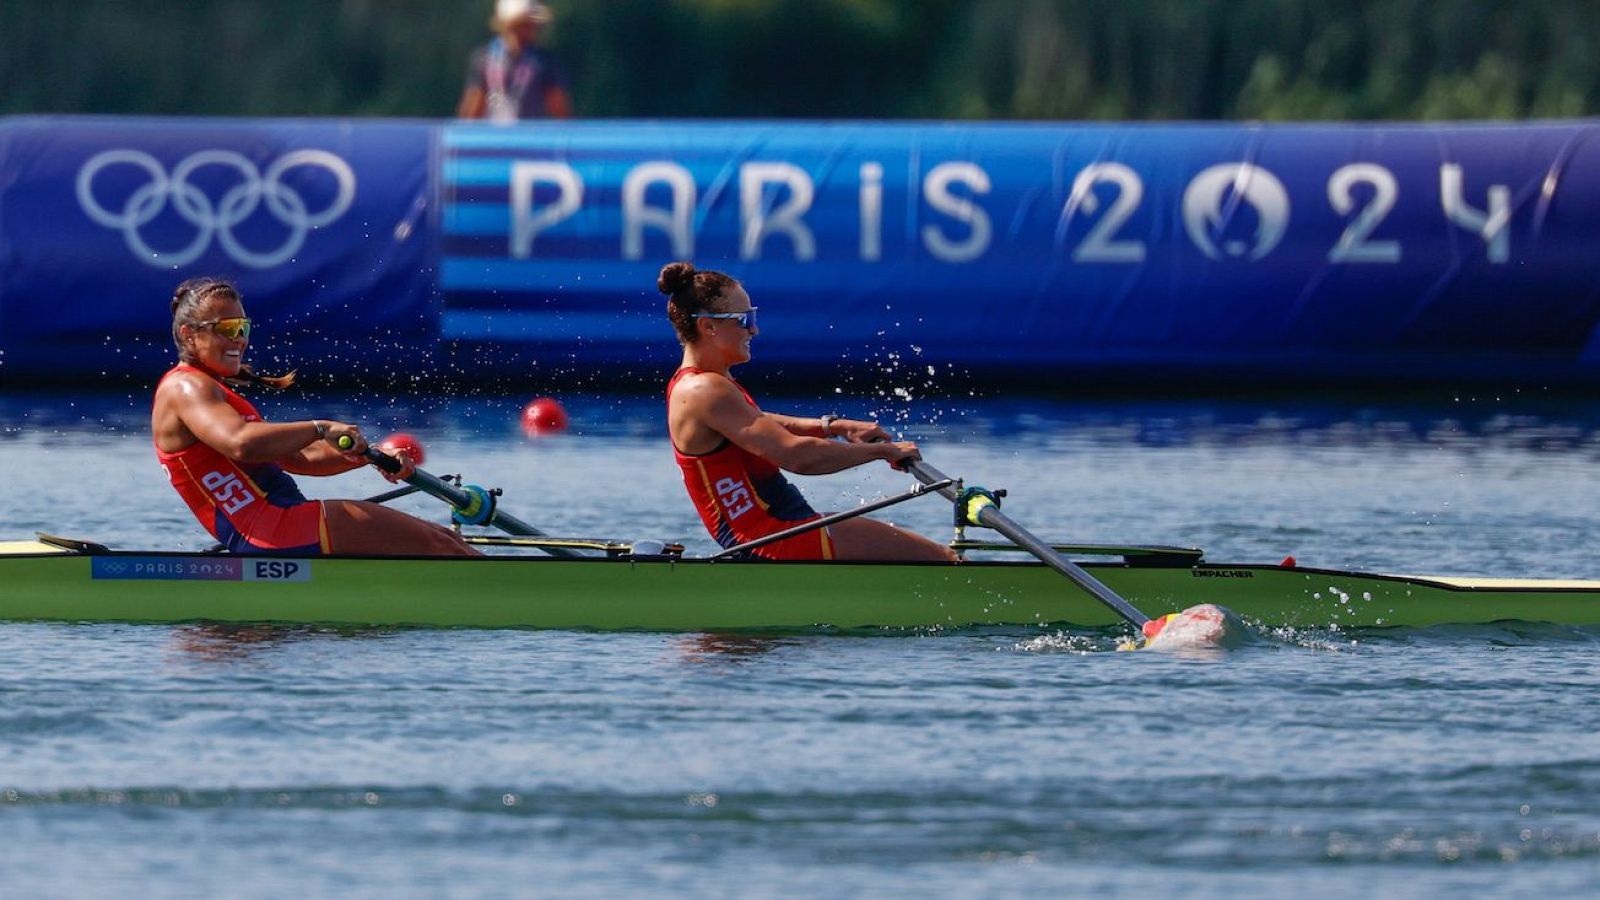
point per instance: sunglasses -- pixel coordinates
(746, 319)
(233, 329)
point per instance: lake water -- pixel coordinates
(200, 761)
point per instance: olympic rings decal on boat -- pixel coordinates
(217, 220)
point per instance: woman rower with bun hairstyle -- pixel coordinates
(733, 454)
(231, 467)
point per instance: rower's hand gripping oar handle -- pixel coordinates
(471, 505)
(477, 504)
(382, 460)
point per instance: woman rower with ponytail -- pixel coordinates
(231, 467)
(733, 454)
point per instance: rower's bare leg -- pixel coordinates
(359, 527)
(862, 538)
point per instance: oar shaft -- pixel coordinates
(457, 498)
(992, 517)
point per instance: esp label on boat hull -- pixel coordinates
(165, 568)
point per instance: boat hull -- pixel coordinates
(697, 595)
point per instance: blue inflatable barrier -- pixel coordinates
(327, 227)
(1257, 253)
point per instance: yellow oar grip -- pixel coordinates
(971, 504)
(974, 506)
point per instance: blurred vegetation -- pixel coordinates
(982, 59)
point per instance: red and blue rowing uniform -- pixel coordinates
(249, 508)
(741, 496)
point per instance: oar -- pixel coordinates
(988, 514)
(458, 499)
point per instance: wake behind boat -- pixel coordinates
(623, 587)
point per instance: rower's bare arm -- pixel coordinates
(200, 407)
(725, 410)
(320, 457)
(797, 425)
(473, 103)
(853, 430)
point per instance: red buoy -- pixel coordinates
(400, 440)
(544, 416)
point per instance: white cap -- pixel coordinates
(511, 10)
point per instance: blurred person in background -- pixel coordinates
(512, 78)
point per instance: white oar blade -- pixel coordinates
(1203, 627)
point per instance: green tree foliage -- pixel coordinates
(989, 59)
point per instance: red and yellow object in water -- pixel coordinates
(1205, 625)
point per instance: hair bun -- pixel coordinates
(675, 277)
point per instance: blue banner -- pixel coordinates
(1334, 251)
(1247, 252)
(326, 226)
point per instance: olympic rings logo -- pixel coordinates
(215, 220)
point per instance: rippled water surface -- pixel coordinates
(256, 762)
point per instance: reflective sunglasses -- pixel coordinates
(746, 319)
(233, 329)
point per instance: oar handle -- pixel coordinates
(424, 481)
(382, 460)
(419, 479)
(449, 493)
(929, 475)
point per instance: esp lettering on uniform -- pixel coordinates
(735, 497)
(229, 492)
